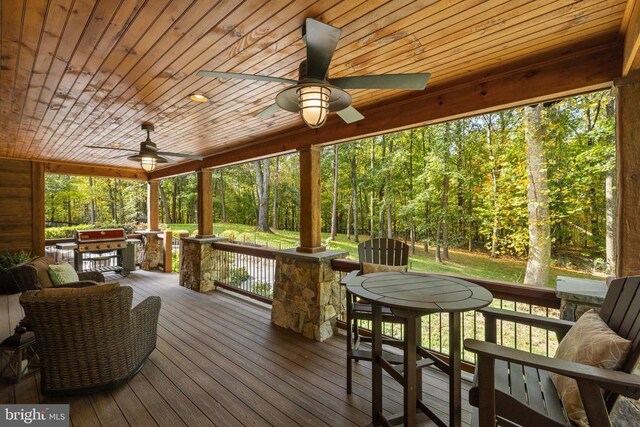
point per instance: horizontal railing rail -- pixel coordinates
(508, 296)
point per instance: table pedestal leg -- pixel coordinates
(376, 388)
(410, 373)
(455, 392)
(418, 322)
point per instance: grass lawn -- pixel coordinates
(460, 262)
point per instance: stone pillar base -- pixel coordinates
(306, 297)
(199, 264)
(151, 250)
(579, 296)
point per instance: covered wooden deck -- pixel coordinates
(219, 361)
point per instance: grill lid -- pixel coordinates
(106, 235)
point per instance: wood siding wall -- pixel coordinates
(21, 206)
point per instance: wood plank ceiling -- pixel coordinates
(80, 72)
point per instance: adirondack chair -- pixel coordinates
(381, 251)
(513, 387)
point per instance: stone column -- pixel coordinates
(200, 264)
(579, 296)
(151, 249)
(306, 296)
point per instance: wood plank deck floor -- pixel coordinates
(219, 361)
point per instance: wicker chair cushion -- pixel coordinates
(62, 273)
(591, 342)
(77, 292)
(368, 267)
(42, 267)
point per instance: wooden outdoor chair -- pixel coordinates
(513, 387)
(380, 251)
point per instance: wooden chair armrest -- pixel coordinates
(349, 276)
(617, 381)
(560, 327)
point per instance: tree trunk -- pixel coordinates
(165, 205)
(274, 216)
(223, 204)
(92, 209)
(354, 196)
(349, 220)
(494, 190)
(537, 272)
(387, 196)
(445, 217)
(610, 195)
(174, 198)
(371, 205)
(334, 206)
(261, 168)
(438, 231)
(412, 223)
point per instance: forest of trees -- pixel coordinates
(536, 182)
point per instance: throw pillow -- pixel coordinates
(591, 342)
(381, 268)
(62, 274)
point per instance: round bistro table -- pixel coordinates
(410, 296)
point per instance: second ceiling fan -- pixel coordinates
(314, 94)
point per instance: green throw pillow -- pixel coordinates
(61, 274)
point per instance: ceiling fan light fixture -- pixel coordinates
(148, 163)
(198, 97)
(313, 104)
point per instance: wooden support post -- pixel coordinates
(205, 203)
(152, 205)
(37, 208)
(168, 251)
(310, 219)
(628, 169)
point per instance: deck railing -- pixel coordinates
(508, 296)
(248, 270)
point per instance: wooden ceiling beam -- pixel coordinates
(631, 59)
(94, 170)
(492, 91)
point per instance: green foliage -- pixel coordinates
(229, 235)
(238, 275)
(175, 262)
(10, 259)
(65, 232)
(262, 288)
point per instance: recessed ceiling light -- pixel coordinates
(197, 97)
(115, 145)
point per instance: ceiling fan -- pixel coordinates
(148, 155)
(314, 94)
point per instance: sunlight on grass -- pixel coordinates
(460, 262)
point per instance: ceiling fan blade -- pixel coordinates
(223, 75)
(184, 156)
(321, 40)
(111, 148)
(350, 115)
(269, 111)
(120, 157)
(383, 81)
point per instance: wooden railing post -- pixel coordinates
(168, 251)
(205, 204)
(628, 168)
(310, 219)
(152, 206)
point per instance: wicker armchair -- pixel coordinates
(35, 276)
(89, 339)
